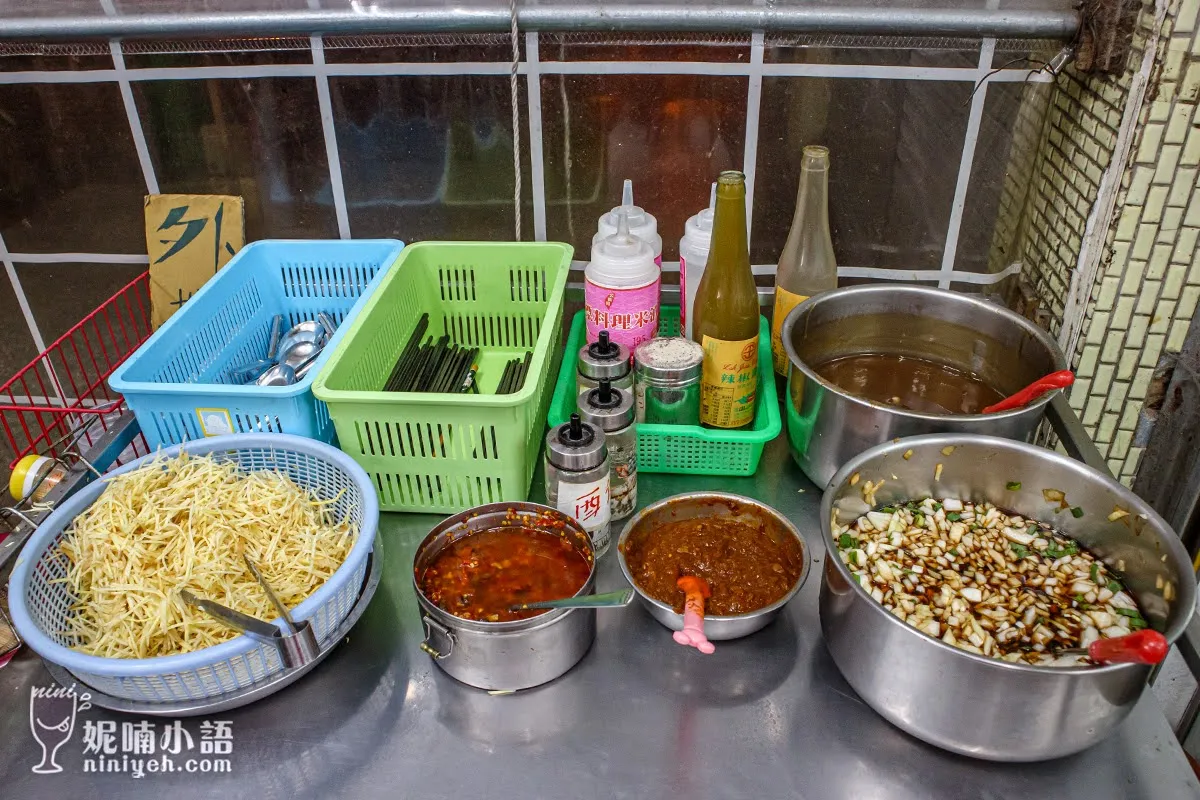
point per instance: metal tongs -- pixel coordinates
(296, 647)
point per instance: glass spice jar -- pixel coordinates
(577, 478)
(611, 410)
(668, 373)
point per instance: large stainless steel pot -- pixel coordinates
(972, 704)
(826, 426)
(692, 505)
(505, 655)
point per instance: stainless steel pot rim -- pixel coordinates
(938, 441)
(794, 358)
(514, 625)
(787, 524)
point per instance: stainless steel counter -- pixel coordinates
(640, 717)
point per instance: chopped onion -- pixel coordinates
(1020, 537)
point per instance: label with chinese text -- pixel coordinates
(589, 503)
(728, 382)
(785, 301)
(629, 315)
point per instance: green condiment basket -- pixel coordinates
(686, 448)
(447, 452)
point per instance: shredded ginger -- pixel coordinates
(184, 523)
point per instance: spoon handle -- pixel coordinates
(1141, 647)
(607, 600)
(1055, 380)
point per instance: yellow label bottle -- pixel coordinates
(728, 382)
(807, 265)
(785, 301)
(726, 315)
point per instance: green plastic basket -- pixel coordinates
(686, 448)
(445, 452)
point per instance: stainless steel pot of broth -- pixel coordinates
(869, 364)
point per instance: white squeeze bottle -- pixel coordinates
(641, 223)
(621, 287)
(693, 257)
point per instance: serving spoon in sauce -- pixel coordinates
(696, 590)
(1055, 380)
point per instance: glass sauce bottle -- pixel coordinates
(726, 315)
(807, 265)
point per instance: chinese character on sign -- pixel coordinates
(99, 737)
(137, 738)
(216, 737)
(173, 739)
(191, 229)
(188, 239)
(588, 506)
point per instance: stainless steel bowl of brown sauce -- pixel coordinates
(752, 557)
(869, 364)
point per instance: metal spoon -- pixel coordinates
(276, 333)
(606, 600)
(278, 375)
(299, 353)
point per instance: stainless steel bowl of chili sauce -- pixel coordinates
(470, 570)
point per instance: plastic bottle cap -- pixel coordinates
(698, 228)
(622, 260)
(642, 224)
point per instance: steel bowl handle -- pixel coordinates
(426, 646)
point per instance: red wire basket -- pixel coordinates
(65, 390)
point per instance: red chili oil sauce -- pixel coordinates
(480, 575)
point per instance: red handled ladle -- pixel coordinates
(1055, 380)
(1141, 647)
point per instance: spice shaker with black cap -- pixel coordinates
(577, 477)
(612, 411)
(601, 360)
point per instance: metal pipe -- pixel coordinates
(589, 16)
(1073, 436)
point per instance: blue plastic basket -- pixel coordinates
(40, 602)
(176, 382)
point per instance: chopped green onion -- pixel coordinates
(1095, 573)
(920, 521)
(1114, 586)
(1076, 512)
(1013, 486)
(1068, 549)
(953, 551)
(1019, 550)
(1080, 599)
(846, 541)
(888, 510)
(1132, 613)
(954, 516)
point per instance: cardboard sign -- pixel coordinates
(189, 237)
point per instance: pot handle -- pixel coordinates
(432, 625)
